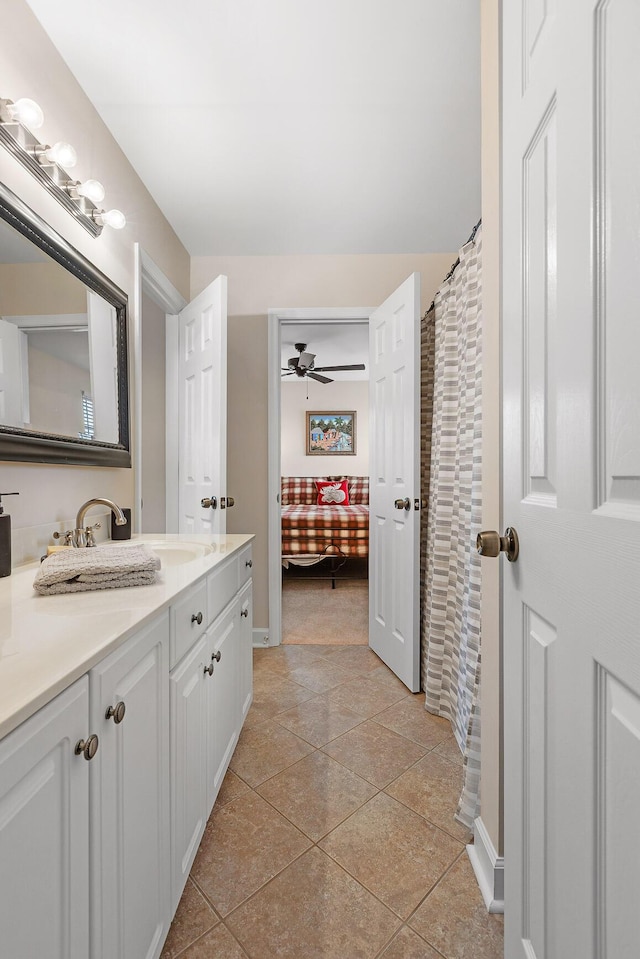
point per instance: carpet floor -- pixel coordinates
(312, 612)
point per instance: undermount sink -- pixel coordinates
(171, 554)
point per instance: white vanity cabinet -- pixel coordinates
(129, 797)
(44, 832)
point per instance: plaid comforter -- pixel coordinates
(309, 529)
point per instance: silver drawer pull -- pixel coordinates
(216, 656)
(209, 669)
(249, 563)
(244, 612)
(197, 618)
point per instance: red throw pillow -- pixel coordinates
(332, 494)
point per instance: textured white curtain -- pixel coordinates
(450, 606)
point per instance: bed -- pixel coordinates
(312, 532)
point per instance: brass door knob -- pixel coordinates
(116, 712)
(490, 543)
(87, 747)
(209, 502)
(403, 503)
(216, 656)
(230, 502)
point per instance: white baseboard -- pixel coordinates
(260, 637)
(488, 867)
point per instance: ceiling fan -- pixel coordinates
(303, 365)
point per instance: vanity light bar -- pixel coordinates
(47, 163)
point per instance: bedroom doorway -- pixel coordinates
(318, 554)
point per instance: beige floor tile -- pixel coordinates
(317, 794)
(320, 676)
(359, 659)
(377, 754)
(366, 697)
(283, 658)
(265, 750)
(392, 851)
(245, 844)
(408, 945)
(193, 917)
(432, 788)
(450, 750)
(313, 910)
(455, 920)
(384, 675)
(409, 718)
(217, 944)
(319, 720)
(282, 696)
(232, 788)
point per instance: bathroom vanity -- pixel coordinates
(119, 713)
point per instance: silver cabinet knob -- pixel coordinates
(249, 563)
(116, 712)
(491, 543)
(209, 502)
(209, 669)
(87, 747)
(216, 656)
(403, 503)
(197, 618)
(244, 612)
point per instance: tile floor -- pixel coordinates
(333, 835)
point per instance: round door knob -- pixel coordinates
(403, 503)
(249, 563)
(490, 543)
(230, 502)
(209, 669)
(197, 618)
(244, 612)
(116, 712)
(209, 502)
(87, 747)
(216, 656)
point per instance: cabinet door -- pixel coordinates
(130, 798)
(44, 832)
(223, 705)
(246, 648)
(188, 690)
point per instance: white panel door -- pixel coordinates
(394, 531)
(571, 155)
(131, 906)
(202, 410)
(44, 832)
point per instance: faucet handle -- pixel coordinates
(91, 540)
(68, 536)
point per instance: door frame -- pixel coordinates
(152, 282)
(275, 319)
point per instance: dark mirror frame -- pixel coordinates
(26, 446)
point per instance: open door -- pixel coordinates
(394, 532)
(571, 154)
(202, 411)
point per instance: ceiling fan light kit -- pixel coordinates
(303, 366)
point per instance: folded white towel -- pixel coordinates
(77, 570)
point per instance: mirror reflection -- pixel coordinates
(58, 347)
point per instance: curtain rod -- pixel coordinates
(454, 266)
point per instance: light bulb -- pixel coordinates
(92, 189)
(27, 112)
(61, 153)
(113, 218)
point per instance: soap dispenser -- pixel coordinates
(5, 538)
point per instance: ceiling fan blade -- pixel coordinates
(288, 373)
(320, 379)
(329, 369)
(306, 360)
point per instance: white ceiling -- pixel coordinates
(334, 344)
(290, 126)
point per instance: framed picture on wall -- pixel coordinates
(331, 434)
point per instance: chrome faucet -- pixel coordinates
(83, 536)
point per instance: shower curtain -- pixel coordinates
(451, 472)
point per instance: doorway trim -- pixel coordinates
(151, 281)
(275, 319)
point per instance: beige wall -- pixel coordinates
(40, 289)
(256, 284)
(491, 786)
(55, 393)
(32, 67)
(337, 396)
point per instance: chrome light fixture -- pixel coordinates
(49, 165)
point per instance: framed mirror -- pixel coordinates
(63, 349)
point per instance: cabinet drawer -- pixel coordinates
(245, 564)
(222, 585)
(185, 628)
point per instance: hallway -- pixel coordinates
(333, 834)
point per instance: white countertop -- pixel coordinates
(47, 642)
